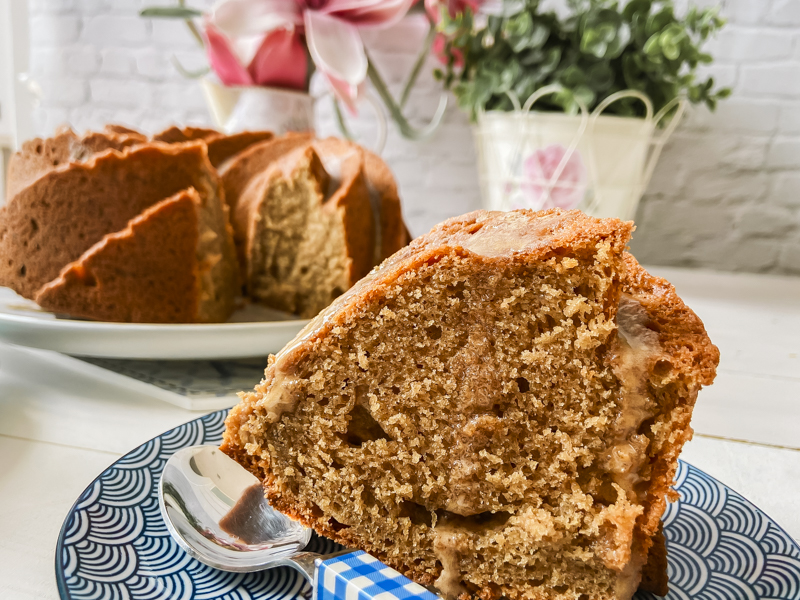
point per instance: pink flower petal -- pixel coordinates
(346, 92)
(336, 48)
(364, 13)
(240, 18)
(438, 49)
(223, 59)
(281, 61)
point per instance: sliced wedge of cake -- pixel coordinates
(307, 236)
(496, 411)
(167, 266)
(59, 216)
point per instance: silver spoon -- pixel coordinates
(216, 511)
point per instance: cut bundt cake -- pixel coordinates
(307, 237)
(39, 156)
(54, 220)
(496, 411)
(166, 266)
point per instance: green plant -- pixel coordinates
(600, 47)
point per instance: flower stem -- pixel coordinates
(195, 32)
(186, 72)
(412, 77)
(192, 27)
(396, 113)
(340, 120)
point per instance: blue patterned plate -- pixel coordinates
(114, 545)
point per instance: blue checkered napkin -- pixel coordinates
(359, 576)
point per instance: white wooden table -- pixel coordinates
(59, 431)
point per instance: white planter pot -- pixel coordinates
(598, 163)
(249, 108)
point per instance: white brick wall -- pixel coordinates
(725, 195)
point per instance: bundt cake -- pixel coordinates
(54, 220)
(496, 411)
(238, 173)
(308, 224)
(171, 255)
(224, 147)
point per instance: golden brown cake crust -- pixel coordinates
(654, 573)
(688, 359)
(690, 362)
(39, 156)
(178, 135)
(51, 222)
(225, 147)
(159, 283)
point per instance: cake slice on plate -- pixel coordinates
(496, 411)
(166, 266)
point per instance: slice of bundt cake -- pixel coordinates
(166, 266)
(497, 410)
(307, 236)
(55, 219)
(39, 156)
(390, 229)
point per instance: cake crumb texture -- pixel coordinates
(496, 411)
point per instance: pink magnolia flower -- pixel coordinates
(263, 42)
(540, 167)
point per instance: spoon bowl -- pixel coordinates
(216, 511)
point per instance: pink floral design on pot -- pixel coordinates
(539, 169)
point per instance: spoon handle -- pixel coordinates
(358, 575)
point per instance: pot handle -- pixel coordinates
(380, 137)
(657, 143)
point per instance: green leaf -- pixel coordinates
(170, 12)
(656, 22)
(653, 45)
(634, 8)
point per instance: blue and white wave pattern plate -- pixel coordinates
(114, 544)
